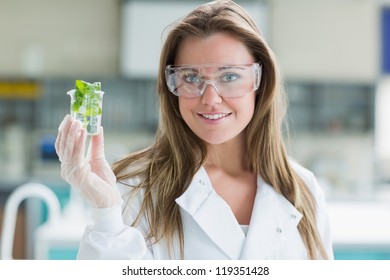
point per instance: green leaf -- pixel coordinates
(86, 95)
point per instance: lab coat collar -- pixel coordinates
(213, 215)
(273, 218)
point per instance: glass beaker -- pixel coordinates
(87, 108)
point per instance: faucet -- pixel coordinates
(11, 207)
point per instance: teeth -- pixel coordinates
(214, 116)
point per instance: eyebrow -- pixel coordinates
(196, 68)
(232, 66)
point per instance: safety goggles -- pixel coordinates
(190, 81)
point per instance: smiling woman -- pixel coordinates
(201, 114)
(217, 182)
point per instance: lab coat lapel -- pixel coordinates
(273, 219)
(213, 215)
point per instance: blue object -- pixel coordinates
(47, 147)
(386, 40)
(362, 253)
(62, 253)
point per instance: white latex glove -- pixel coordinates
(90, 174)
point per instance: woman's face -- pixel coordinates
(213, 118)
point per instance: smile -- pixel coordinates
(214, 116)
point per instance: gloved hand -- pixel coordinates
(90, 174)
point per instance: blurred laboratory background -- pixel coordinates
(335, 59)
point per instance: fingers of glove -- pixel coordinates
(75, 142)
(63, 130)
(79, 149)
(96, 147)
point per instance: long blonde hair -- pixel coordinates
(167, 167)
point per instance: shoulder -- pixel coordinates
(132, 198)
(322, 218)
(308, 178)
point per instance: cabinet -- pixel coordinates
(330, 129)
(331, 107)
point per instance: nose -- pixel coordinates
(210, 94)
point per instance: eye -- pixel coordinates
(191, 78)
(230, 77)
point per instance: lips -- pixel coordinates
(215, 116)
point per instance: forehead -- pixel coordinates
(219, 48)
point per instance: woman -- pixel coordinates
(217, 182)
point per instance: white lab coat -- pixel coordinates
(211, 230)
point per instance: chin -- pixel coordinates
(215, 140)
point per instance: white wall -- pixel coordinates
(327, 39)
(59, 38)
(313, 39)
(144, 23)
(382, 124)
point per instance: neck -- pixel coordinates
(230, 156)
